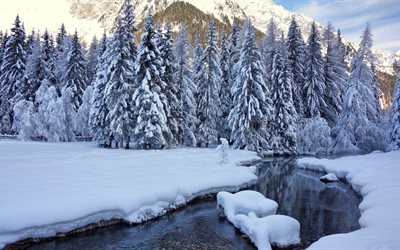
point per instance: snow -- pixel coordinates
(245, 202)
(376, 177)
(46, 188)
(277, 230)
(329, 178)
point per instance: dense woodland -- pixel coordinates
(284, 94)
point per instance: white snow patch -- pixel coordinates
(245, 202)
(50, 188)
(329, 178)
(277, 230)
(376, 176)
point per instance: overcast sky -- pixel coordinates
(352, 15)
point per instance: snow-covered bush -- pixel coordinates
(82, 123)
(25, 120)
(314, 137)
(223, 151)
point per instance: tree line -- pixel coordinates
(282, 94)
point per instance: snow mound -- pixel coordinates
(276, 230)
(245, 202)
(329, 178)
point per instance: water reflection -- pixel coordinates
(322, 209)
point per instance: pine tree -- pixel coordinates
(234, 55)
(341, 67)
(172, 91)
(119, 85)
(12, 74)
(68, 113)
(315, 83)
(92, 60)
(83, 114)
(49, 56)
(103, 45)
(188, 88)
(74, 77)
(269, 45)
(251, 106)
(60, 39)
(395, 118)
(296, 59)
(63, 47)
(3, 41)
(225, 91)
(208, 91)
(333, 80)
(283, 118)
(357, 128)
(197, 63)
(30, 42)
(151, 120)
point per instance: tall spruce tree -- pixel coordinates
(172, 90)
(119, 86)
(196, 64)
(74, 77)
(208, 91)
(296, 59)
(233, 55)
(333, 80)
(251, 107)
(12, 74)
(315, 83)
(269, 47)
(92, 60)
(184, 77)
(151, 130)
(284, 116)
(224, 130)
(395, 118)
(341, 67)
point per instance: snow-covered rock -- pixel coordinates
(329, 178)
(376, 176)
(276, 230)
(50, 188)
(245, 202)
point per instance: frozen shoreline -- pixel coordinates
(49, 188)
(375, 176)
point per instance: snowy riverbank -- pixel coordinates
(376, 176)
(46, 188)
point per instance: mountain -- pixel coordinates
(91, 17)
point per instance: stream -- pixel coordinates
(322, 209)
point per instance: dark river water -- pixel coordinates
(321, 209)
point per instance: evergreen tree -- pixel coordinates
(395, 118)
(49, 56)
(251, 106)
(60, 39)
(151, 127)
(83, 114)
(208, 91)
(283, 118)
(233, 55)
(103, 45)
(92, 60)
(315, 83)
(119, 85)
(188, 88)
(30, 42)
(341, 67)
(296, 59)
(74, 77)
(225, 91)
(269, 45)
(333, 80)
(172, 91)
(63, 47)
(357, 128)
(12, 74)
(3, 41)
(197, 63)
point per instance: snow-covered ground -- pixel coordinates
(47, 188)
(376, 176)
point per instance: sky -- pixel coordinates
(351, 17)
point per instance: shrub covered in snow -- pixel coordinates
(223, 151)
(314, 137)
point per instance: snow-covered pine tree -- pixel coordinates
(68, 113)
(3, 41)
(83, 114)
(268, 49)
(119, 85)
(92, 60)
(30, 42)
(196, 64)
(208, 91)
(283, 118)
(172, 89)
(357, 128)
(130, 26)
(362, 70)
(333, 81)
(75, 75)
(48, 52)
(60, 39)
(63, 42)
(12, 74)
(341, 67)
(251, 106)
(102, 45)
(188, 88)
(315, 83)
(395, 118)
(150, 119)
(296, 59)
(225, 97)
(233, 56)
